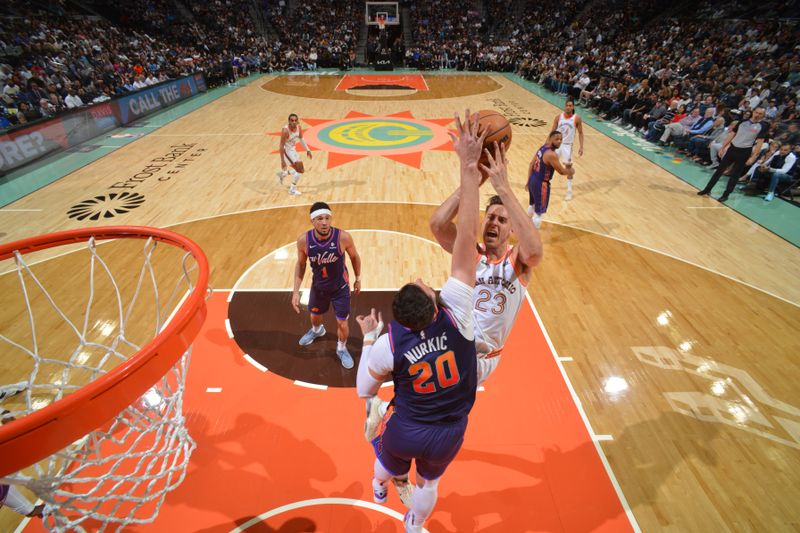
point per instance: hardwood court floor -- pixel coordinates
(686, 376)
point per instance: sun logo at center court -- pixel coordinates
(399, 137)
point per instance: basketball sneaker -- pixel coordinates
(379, 492)
(310, 336)
(345, 357)
(404, 490)
(294, 191)
(374, 418)
(408, 521)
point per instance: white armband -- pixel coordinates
(366, 385)
(375, 333)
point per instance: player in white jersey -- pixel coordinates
(291, 165)
(567, 123)
(500, 276)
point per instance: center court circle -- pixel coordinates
(377, 136)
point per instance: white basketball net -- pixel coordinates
(118, 474)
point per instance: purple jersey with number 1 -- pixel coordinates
(327, 261)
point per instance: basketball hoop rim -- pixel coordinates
(37, 435)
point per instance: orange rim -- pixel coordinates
(37, 435)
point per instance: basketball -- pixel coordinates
(499, 131)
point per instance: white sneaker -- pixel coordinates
(404, 490)
(530, 210)
(408, 521)
(374, 418)
(537, 221)
(294, 192)
(769, 197)
(379, 492)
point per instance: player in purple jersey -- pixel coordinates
(324, 247)
(429, 354)
(540, 172)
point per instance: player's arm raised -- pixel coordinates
(552, 159)
(299, 271)
(529, 251)
(350, 247)
(441, 223)
(468, 146)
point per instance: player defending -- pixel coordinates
(291, 165)
(567, 122)
(324, 247)
(503, 270)
(540, 172)
(429, 353)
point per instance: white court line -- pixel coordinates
(228, 328)
(24, 522)
(310, 385)
(206, 134)
(264, 258)
(565, 359)
(349, 502)
(21, 210)
(599, 438)
(619, 239)
(255, 363)
(585, 419)
(214, 389)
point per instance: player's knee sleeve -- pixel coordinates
(423, 500)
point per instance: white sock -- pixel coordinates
(537, 220)
(340, 345)
(422, 502)
(316, 329)
(295, 176)
(530, 210)
(379, 486)
(569, 185)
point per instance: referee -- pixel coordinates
(739, 150)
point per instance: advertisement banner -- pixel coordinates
(152, 99)
(25, 145)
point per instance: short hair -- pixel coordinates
(412, 308)
(570, 101)
(293, 115)
(494, 200)
(318, 205)
(554, 132)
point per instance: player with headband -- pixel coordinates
(324, 247)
